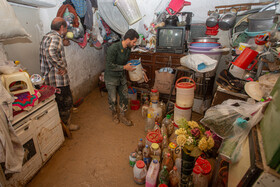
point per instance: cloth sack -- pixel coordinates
(163, 82)
(199, 62)
(10, 26)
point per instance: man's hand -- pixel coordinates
(129, 67)
(66, 42)
(62, 71)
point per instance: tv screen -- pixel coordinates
(170, 37)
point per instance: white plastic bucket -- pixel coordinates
(129, 10)
(137, 74)
(180, 113)
(185, 93)
(132, 93)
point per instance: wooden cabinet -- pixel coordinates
(154, 61)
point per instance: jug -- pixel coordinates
(240, 65)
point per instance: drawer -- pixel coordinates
(144, 57)
(45, 115)
(25, 131)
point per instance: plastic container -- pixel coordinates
(140, 145)
(156, 111)
(185, 92)
(205, 44)
(137, 74)
(212, 54)
(140, 172)
(129, 10)
(155, 152)
(164, 176)
(132, 93)
(146, 156)
(134, 105)
(154, 137)
(152, 174)
(180, 112)
(168, 162)
(145, 108)
(154, 96)
(150, 123)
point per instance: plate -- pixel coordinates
(254, 90)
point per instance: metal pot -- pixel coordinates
(212, 20)
(205, 39)
(261, 21)
(171, 21)
(227, 21)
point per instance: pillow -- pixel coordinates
(10, 26)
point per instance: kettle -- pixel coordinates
(227, 21)
(212, 20)
(171, 21)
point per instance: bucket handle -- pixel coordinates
(251, 67)
(186, 78)
(131, 89)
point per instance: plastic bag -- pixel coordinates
(8, 67)
(267, 82)
(199, 62)
(221, 118)
(232, 146)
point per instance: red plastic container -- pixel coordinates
(245, 59)
(134, 104)
(176, 5)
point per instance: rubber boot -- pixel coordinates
(124, 120)
(115, 117)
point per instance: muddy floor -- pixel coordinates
(97, 156)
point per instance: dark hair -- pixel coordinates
(56, 25)
(131, 34)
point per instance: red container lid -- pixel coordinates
(140, 164)
(181, 108)
(204, 165)
(197, 169)
(185, 85)
(154, 90)
(162, 185)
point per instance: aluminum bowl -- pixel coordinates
(205, 39)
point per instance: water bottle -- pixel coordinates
(164, 176)
(140, 145)
(174, 177)
(149, 123)
(146, 156)
(168, 123)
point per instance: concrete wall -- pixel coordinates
(84, 65)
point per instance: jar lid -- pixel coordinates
(185, 85)
(155, 146)
(154, 90)
(204, 165)
(162, 185)
(172, 145)
(140, 164)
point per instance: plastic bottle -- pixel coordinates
(163, 176)
(132, 159)
(145, 109)
(150, 123)
(152, 174)
(156, 110)
(155, 152)
(140, 172)
(168, 162)
(157, 127)
(21, 67)
(154, 95)
(164, 130)
(146, 156)
(164, 142)
(168, 123)
(174, 177)
(140, 145)
(163, 107)
(171, 148)
(139, 156)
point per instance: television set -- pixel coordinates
(171, 39)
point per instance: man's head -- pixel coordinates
(131, 37)
(59, 25)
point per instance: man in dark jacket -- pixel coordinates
(115, 76)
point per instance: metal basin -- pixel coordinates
(205, 39)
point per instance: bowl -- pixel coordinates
(205, 44)
(203, 48)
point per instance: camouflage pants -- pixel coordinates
(119, 87)
(64, 102)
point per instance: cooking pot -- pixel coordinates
(227, 21)
(261, 21)
(205, 39)
(171, 21)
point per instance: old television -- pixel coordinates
(171, 39)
